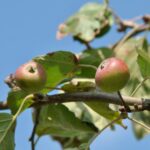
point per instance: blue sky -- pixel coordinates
(28, 29)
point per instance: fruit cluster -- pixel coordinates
(111, 76)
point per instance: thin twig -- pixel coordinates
(139, 123)
(133, 32)
(105, 127)
(138, 87)
(114, 121)
(125, 24)
(32, 137)
(130, 23)
(36, 141)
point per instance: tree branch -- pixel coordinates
(86, 96)
(137, 104)
(123, 25)
(133, 32)
(132, 24)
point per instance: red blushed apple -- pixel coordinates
(112, 75)
(30, 77)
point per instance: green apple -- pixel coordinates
(112, 75)
(30, 77)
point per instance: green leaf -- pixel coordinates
(11, 121)
(139, 131)
(85, 28)
(144, 63)
(75, 143)
(93, 57)
(57, 120)
(92, 9)
(92, 20)
(128, 52)
(87, 114)
(103, 109)
(59, 66)
(15, 98)
(145, 45)
(8, 142)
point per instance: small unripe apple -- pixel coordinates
(30, 77)
(112, 75)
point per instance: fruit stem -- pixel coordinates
(88, 46)
(127, 108)
(15, 117)
(88, 66)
